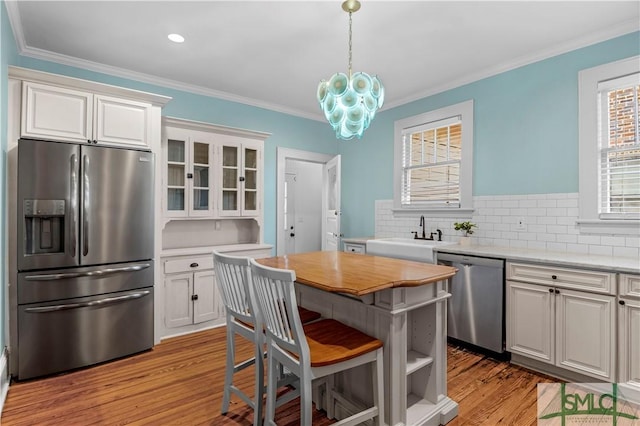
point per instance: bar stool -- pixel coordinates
(233, 278)
(312, 351)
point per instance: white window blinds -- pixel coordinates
(431, 160)
(619, 148)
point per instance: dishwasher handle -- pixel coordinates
(468, 260)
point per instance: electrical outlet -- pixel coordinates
(520, 224)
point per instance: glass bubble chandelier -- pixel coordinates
(349, 102)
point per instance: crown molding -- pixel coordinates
(215, 128)
(24, 50)
(626, 27)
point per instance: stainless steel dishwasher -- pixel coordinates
(475, 311)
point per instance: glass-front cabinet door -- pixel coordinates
(241, 168)
(201, 185)
(230, 180)
(176, 174)
(189, 183)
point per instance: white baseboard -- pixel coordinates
(4, 379)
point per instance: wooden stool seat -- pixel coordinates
(331, 342)
(307, 315)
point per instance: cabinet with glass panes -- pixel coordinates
(188, 182)
(211, 171)
(241, 184)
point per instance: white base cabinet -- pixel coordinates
(191, 295)
(629, 332)
(551, 321)
(530, 321)
(585, 327)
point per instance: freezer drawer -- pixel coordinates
(59, 336)
(44, 286)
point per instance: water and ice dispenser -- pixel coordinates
(43, 226)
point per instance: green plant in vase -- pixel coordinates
(467, 228)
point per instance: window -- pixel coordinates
(433, 162)
(619, 159)
(610, 148)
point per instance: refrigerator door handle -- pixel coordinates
(101, 302)
(101, 272)
(73, 204)
(85, 205)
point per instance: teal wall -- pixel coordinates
(526, 133)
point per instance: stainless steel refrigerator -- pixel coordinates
(85, 255)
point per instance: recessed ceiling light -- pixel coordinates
(176, 38)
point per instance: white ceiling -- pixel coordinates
(272, 54)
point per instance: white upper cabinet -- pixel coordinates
(56, 113)
(241, 177)
(121, 121)
(211, 171)
(188, 173)
(60, 113)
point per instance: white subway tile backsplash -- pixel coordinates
(601, 250)
(549, 223)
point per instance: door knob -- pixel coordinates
(194, 297)
(292, 234)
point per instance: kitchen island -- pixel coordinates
(402, 303)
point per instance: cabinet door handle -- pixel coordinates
(550, 290)
(194, 297)
(621, 302)
(554, 277)
(557, 291)
(194, 265)
(241, 178)
(189, 175)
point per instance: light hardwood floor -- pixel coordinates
(180, 382)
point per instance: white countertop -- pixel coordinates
(610, 263)
(359, 240)
(209, 249)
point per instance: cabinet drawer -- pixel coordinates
(188, 264)
(354, 248)
(594, 281)
(630, 285)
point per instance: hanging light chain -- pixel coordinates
(350, 23)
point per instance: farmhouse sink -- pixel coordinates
(405, 248)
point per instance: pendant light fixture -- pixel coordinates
(350, 101)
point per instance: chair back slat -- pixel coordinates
(274, 296)
(232, 276)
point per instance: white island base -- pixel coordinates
(411, 321)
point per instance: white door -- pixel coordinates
(530, 320)
(629, 317)
(178, 305)
(585, 333)
(204, 296)
(289, 229)
(331, 219)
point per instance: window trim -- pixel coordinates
(589, 221)
(465, 210)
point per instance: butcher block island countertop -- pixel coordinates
(400, 302)
(356, 274)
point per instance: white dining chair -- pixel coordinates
(312, 351)
(233, 278)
